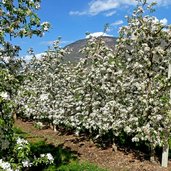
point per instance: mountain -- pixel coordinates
(75, 47)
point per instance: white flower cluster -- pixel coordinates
(48, 156)
(21, 141)
(26, 163)
(126, 90)
(6, 166)
(37, 5)
(39, 125)
(4, 95)
(45, 26)
(4, 1)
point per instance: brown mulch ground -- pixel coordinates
(88, 151)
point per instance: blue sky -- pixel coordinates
(71, 19)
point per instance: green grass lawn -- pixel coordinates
(76, 166)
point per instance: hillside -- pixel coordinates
(75, 47)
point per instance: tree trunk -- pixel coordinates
(152, 154)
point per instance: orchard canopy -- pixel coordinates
(107, 92)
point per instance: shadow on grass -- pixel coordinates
(62, 155)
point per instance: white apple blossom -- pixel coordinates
(43, 97)
(6, 59)
(3, 1)
(5, 166)
(50, 157)
(5, 95)
(26, 163)
(37, 5)
(21, 141)
(45, 26)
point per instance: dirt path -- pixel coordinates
(114, 161)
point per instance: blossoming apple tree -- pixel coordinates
(144, 49)
(17, 19)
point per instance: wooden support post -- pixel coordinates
(54, 128)
(165, 153)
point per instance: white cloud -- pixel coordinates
(77, 13)
(27, 58)
(164, 21)
(39, 55)
(98, 6)
(116, 23)
(109, 14)
(49, 43)
(97, 34)
(95, 7)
